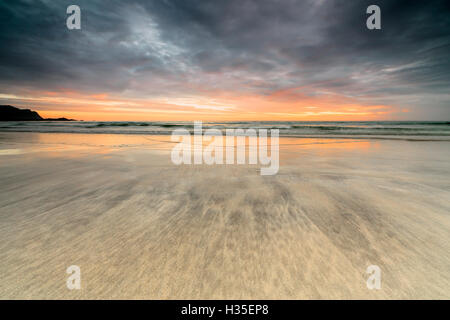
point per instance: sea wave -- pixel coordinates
(286, 128)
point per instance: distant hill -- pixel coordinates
(10, 113)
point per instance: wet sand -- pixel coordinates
(140, 227)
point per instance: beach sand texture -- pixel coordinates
(140, 227)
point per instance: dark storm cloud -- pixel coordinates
(156, 47)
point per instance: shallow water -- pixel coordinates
(140, 227)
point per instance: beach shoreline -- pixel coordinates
(139, 226)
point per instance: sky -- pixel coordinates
(227, 60)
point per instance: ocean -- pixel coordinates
(371, 129)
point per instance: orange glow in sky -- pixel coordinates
(283, 105)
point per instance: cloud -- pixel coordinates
(176, 49)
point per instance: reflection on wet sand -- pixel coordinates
(140, 227)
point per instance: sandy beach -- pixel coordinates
(139, 226)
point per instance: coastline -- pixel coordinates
(405, 130)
